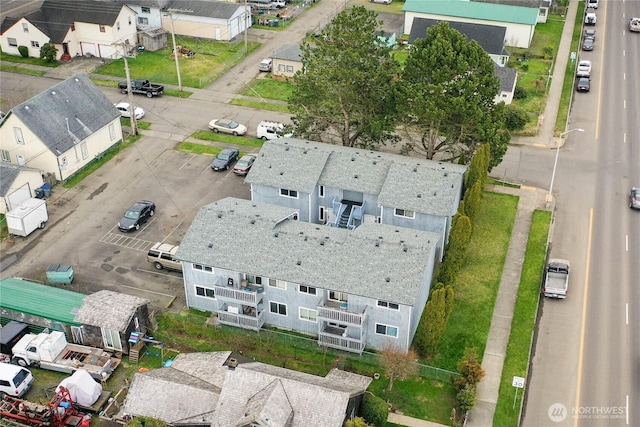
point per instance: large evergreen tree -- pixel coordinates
(446, 98)
(344, 93)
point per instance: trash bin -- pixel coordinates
(39, 193)
(46, 189)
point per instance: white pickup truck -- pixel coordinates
(556, 281)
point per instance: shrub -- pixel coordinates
(375, 410)
(49, 52)
(516, 117)
(520, 93)
(466, 398)
(24, 51)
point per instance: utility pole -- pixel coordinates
(173, 38)
(246, 27)
(132, 108)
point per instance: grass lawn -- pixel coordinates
(212, 59)
(477, 283)
(524, 319)
(227, 139)
(20, 70)
(34, 61)
(271, 88)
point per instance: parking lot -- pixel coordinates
(82, 229)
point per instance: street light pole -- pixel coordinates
(555, 164)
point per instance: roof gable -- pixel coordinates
(36, 299)
(474, 10)
(67, 113)
(110, 310)
(490, 37)
(507, 77)
(209, 9)
(8, 174)
(289, 52)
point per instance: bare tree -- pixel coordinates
(398, 364)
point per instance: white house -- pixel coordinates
(17, 184)
(215, 20)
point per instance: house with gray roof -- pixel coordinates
(346, 187)
(17, 183)
(86, 27)
(287, 60)
(62, 129)
(508, 79)
(351, 289)
(214, 20)
(491, 38)
(519, 21)
(216, 390)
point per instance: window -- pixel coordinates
(143, 21)
(307, 290)
(280, 284)
(112, 131)
(12, 42)
(18, 134)
(144, 9)
(102, 29)
(277, 308)
(289, 193)
(35, 43)
(201, 267)
(25, 27)
(391, 305)
(85, 150)
(4, 154)
(391, 331)
(205, 292)
(322, 214)
(321, 191)
(337, 296)
(256, 280)
(308, 314)
(404, 213)
(289, 68)
(111, 339)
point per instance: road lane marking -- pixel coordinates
(626, 243)
(584, 313)
(626, 313)
(627, 411)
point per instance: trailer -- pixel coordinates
(59, 412)
(27, 217)
(52, 351)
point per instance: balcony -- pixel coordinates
(238, 320)
(337, 338)
(336, 312)
(245, 294)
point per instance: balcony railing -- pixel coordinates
(341, 313)
(249, 295)
(353, 345)
(241, 320)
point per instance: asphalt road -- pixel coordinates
(586, 362)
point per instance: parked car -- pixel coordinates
(225, 159)
(162, 255)
(590, 32)
(584, 84)
(137, 214)
(584, 68)
(266, 65)
(587, 43)
(381, 1)
(634, 198)
(590, 18)
(271, 130)
(244, 164)
(227, 126)
(125, 110)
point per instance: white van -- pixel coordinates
(271, 130)
(14, 380)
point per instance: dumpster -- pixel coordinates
(59, 273)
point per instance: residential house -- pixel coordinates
(62, 129)
(508, 80)
(287, 60)
(104, 319)
(254, 265)
(490, 38)
(108, 318)
(75, 27)
(218, 390)
(346, 187)
(214, 20)
(519, 21)
(17, 184)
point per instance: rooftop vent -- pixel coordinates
(355, 176)
(321, 242)
(404, 249)
(415, 169)
(377, 243)
(210, 245)
(233, 363)
(281, 173)
(353, 159)
(53, 92)
(305, 151)
(419, 195)
(298, 262)
(275, 234)
(387, 279)
(219, 215)
(287, 149)
(446, 174)
(253, 221)
(375, 163)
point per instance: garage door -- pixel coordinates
(17, 197)
(88, 49)
(107, 51)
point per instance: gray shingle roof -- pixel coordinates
(507, 77)
(290, 52)
(67, 113)
(300, 252)
(8, 174)
(108, 309)
(211, 9)
(253, 391)
(490, 37)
